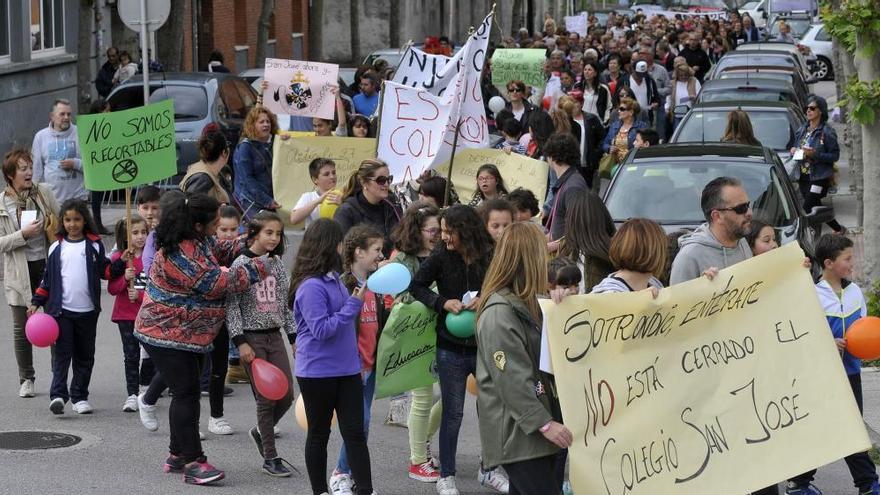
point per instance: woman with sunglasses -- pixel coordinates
(817, 143)
(517, 102)
(622, 133)
(368, 199)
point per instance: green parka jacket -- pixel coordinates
(515, 397)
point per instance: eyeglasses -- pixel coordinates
(382, 179)
(622, 109)
(514, 90)
(812, 107)
(432, 231)
(739, 209)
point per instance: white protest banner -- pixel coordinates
(711, 14)
(722, 386)
(576, 23)
(301, 88)
(453, 95)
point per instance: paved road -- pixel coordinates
(117, 455)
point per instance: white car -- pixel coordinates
(819, 41)
(757, 10)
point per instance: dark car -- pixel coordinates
(788, 74)
(764, 58)
(664, 183)
(751, 89)
(199, 98)
(774, 123)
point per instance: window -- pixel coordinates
(822, 35)
(4, 30)
(47, 25)
(190, 102)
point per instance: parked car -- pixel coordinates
(786, 74)
(774, 123)
(803, 52)
(766, 58)
(800, 23)
(751, 89)
(199, 98)
(757, 10)
(818, 39)
(664, 183)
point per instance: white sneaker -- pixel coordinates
(83, 407)
(201, 435)
(494, 479)
(219, 426)
(277, 431)
(131, 404)
(446, 486)
(147, 414)
(340, 483)
(56, 405)
(27, 389)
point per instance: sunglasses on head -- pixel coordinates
(739, 209)
(382, 179)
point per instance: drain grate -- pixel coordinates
(36, 440)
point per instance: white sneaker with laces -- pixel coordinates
(83, 407)
(494, 479)
(277, 431)
(340, 483)
(131, 404)
(147, 414)
(27, 389)
(219, 426)
(446, 486)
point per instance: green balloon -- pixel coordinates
(461, 325)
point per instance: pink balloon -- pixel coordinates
(41, 330)
(269, 380)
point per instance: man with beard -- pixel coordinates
(57, 155)
(696, 57)
(720, 242)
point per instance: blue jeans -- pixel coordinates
(453, 369)
(369, 379)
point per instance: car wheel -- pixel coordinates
(822, 69)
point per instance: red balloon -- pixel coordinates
(269, 380)
(41, 330)
(863, 338)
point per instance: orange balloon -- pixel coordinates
(300, 412)
(472, 385)
(863, 338)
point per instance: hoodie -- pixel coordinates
(841, 312)
(613, 283)
(700, 250)
(49, 148)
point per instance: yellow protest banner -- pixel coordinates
(517, 171)
(733, 383)
(291, 157)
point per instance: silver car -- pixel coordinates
(818, 39)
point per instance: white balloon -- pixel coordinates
(496, 104)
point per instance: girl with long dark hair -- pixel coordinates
(588, 231)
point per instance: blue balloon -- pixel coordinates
(391, 279)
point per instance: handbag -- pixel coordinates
(605, 165)
(793, 169)
(50, 218)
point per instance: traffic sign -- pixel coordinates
(157, 13)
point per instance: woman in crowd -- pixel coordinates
(597, 96)
(684, 90)
(490, 185)
(517, 103)
(739, 129)
(614, 76)
(457, 266)
(24, 249)
(252, 163)
(182, 311)
(517, 427)
(205, 176)
(367, 200)
(588, 232)
(622, 133)
(638, 251)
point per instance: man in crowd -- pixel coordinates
(367, 100)
(104, 81)
(57, 156)
(644, 88)
(696, 57)
(720, 242)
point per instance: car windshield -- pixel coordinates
(393, 59)
(753, 59)
(773, 129)
(669, 192)
(190, 102)
(742, 95)
(799, 27)
(742, 74)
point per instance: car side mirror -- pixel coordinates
(819, 215)
(680, 111)
(763, 13)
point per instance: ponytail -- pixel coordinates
(180, 214)
(366, 170)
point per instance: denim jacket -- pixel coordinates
(253, 176)
(824, 141)
(615, 128)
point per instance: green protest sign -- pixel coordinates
(524, 64)
(407, 350)
(128, 148)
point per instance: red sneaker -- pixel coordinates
(424, 472)
(201, 473)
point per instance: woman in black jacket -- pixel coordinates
(368, 200)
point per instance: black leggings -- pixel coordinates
(534, 476)
(181, 370)
(131, 354)
(321, 397)
(813, 192)
(219, 365)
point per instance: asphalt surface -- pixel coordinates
(117, 455)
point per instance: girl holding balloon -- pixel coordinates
(327, 367)
(361, 254)
(324, 200)
(254, 319)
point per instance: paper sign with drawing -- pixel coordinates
(301, 88)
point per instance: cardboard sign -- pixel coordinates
(517, 171)
(576, 24)
(301, 88)
(524, 64)
(128, 148)
(735, 382)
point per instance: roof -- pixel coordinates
(195, 77)
(759, 83)
(746, 105)
(699, 151)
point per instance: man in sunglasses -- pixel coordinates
(720, 242)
